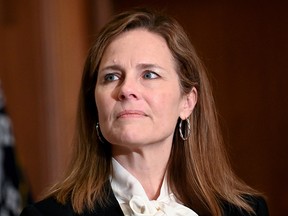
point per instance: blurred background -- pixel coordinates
(244, 45)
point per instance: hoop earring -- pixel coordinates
(98, 132)
(187, 132)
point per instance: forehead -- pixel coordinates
(140, 46)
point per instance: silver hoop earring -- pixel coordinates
(98, 132)
(187, 131)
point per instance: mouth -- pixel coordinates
(130, 114)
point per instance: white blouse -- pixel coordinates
(134, 201)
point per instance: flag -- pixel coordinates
(10, 197)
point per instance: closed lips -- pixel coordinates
(130, 113)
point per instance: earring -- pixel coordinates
(98, 132)
(187, 132)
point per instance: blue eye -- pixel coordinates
(150, 75)
(111, 77)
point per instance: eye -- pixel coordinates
(150, 75)
(111, 77)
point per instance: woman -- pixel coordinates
(147, 139)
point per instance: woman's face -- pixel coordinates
(137, 92)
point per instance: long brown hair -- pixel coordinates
(198, 171)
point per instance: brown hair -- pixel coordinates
(198, 171)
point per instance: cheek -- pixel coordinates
(166, 103)
(102, 107)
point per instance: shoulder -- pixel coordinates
(257, 203)
(48, 207)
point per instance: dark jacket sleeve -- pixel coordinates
(48, 207)
(30, 211)
(257, 203)
(261, 207)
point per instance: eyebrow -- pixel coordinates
(139, 66)
(149, 66)
(112, 67)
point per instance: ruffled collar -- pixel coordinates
(133, 200)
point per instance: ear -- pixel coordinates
(188, 103)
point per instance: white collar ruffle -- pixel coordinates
(134, 202)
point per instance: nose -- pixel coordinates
(128, 89)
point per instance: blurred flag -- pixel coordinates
(10, 198)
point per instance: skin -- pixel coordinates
(139, 100)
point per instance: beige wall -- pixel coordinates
(245, 47)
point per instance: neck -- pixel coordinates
(148, 165)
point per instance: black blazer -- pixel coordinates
(50, 207)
